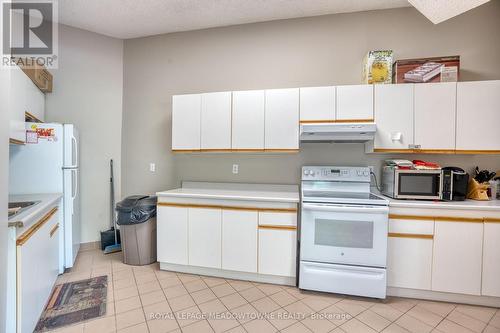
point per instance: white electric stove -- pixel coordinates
(343, 233)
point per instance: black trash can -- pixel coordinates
(137, 221)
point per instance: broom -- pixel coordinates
(116, 247)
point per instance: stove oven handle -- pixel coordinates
(347, 209)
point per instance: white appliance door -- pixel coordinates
(343, 279)
(71, 141)
(344, 234)
(37, 167)
(71, 215)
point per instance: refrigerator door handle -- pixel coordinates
(75, 150)
(75, 187)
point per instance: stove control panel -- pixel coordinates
(343, 174)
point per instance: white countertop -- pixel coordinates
(28, 217)
(235, 191)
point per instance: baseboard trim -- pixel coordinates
(444, 297)
(90, 246)
(226, 274)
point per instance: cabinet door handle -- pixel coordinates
(54, 229)
(396, 136)
(414, 146)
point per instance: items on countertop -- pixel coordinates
(480, 187)
(424, 165)
(412, 165)
(454, 184)
(399, 164)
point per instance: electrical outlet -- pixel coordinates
(152, 167)
(235, 169)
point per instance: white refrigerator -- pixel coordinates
(49, 163)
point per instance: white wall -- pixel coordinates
(322, 50)
(4, 192)
(88, 93)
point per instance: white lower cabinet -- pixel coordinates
(409, 253)
(457, 257)
(37, 270)
(172, 235)
(205, 237)
(409, 263)
(277, 252)
(239, 240)
(491, 260)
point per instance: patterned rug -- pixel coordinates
(74, 302)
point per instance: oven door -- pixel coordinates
(344, 234)
(422, 184)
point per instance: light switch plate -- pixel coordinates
(235, 169)
(152, 167)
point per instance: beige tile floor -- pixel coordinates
(145, 299)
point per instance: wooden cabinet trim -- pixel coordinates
(234, 150)
(32, 118)
(35, 227)
(438, 218)
(403, 235)
(54, 229)
(491, 220)
(437, 151)
(477, 152)
(410, 217)
(16, 142)
(258, 209)
(278, 227)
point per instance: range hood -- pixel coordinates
(338, 132)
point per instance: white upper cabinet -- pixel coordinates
(478, 115)
(317, 104)
(435, 105)
(491, 260)
(355, 102)
(394, 116)
(216, 120)
(282, 119)
(186, 122)
(248, 119)
(457, 257)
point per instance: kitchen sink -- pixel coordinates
(16, 208)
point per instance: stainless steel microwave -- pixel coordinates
(412, 184)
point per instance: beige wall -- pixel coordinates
(88, 93)
(5, 323)
(299, 52)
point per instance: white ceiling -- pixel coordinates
(439, 11)
(138, 18)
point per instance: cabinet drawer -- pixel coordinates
(420, 227)
(278, 219)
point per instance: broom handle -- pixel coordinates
(112, 194)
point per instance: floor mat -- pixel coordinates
(74, 302)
